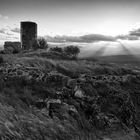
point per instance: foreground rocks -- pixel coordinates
(107, 102)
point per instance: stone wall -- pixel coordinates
(12, 47)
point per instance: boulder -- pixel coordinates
(78, 92)
(40, 104)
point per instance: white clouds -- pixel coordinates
(15, 30)
(4, 17)
(9, 34)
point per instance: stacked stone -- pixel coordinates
(12, 47)
(28, 34)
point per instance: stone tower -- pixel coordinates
(28, 34)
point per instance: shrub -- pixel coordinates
(71, 51)
(56, 49)
(40, 43)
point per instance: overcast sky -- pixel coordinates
(72, 17)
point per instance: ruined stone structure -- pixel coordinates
(12, 47)
(28, 34)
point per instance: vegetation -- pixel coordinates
(40, 43)
(56, 49)
(44, 98)
(68, 52)
(71, 51)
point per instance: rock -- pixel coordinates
(60, 109)
(66, 93)
(101, 121)
(68, 110)
(71, 83)
(53, 106)
(78, 92)
(40, 104)
(57, 78)
(72, 109)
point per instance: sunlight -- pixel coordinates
(114, 28)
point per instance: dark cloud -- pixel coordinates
(6, 31)
(2, 31)
(85, 38)
(135, 32)
(15, 30)
(9, 31)
(96, 37)
(10, 34)
(127, 37)
(132, 35)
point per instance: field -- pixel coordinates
(45, 97)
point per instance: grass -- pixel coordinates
(20, 119)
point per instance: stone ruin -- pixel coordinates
(28, 34)
(12, 47)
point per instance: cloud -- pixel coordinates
(15, 30)
(135, 32)
(5, 31)
(127, 37)
(6, 17)
(3, 17)
(89, 38)
(9, 34)
(2, 31)
(132, 35)
(85, 38)
(96, 37)
(9, 31)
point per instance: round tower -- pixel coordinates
(28, 34)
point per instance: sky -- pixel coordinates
(70, 17)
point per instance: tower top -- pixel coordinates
(28, 22)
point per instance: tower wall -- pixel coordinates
(28, 34)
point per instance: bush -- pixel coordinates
(56, 49)
(40, 43)
(71, 51)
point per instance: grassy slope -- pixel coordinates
(20, 119)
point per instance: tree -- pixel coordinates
(56, 49)
(40, 43)
(71, 51)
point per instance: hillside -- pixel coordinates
(44, 97)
